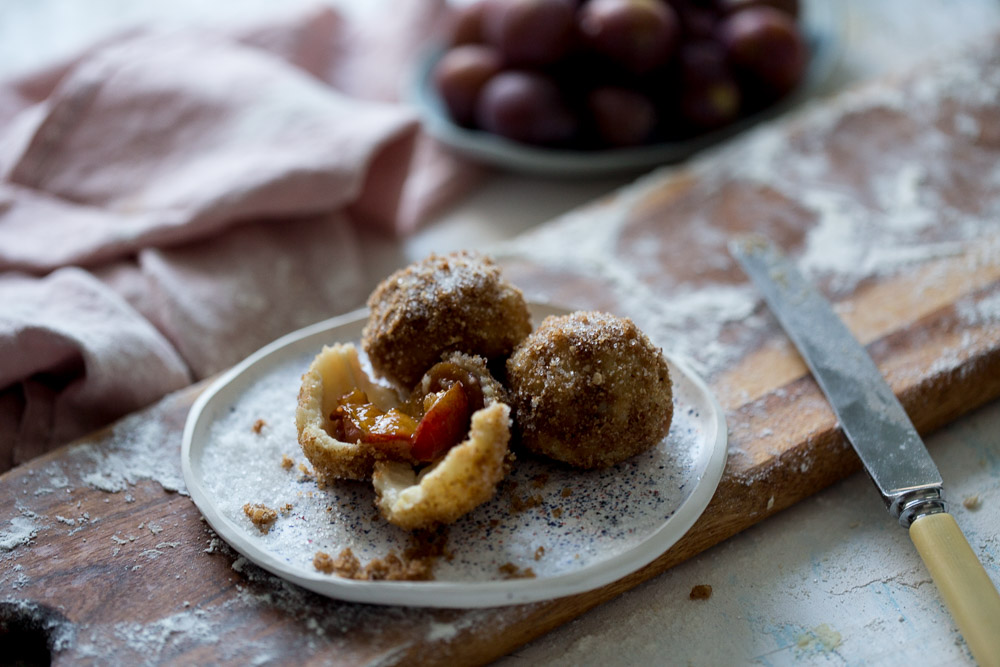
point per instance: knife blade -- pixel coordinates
(878, 428)
(869, 413)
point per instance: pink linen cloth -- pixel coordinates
(170, 201)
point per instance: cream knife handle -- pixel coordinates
(965, 587)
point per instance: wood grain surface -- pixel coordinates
(102, 560)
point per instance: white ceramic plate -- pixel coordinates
(823, 23)
(587, 529)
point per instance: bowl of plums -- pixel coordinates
(594, 87)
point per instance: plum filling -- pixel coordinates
(444, 425)
(357, 419)
(435, 419)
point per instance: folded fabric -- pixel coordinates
(212, 185)
(75, 355)
(279, 277)
(171, 137)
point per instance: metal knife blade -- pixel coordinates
(869, 413)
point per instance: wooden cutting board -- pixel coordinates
(885, 195)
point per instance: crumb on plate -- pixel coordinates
(388, 568)
(416, 563)
(261, 516)
(511, 571)
(526, 503)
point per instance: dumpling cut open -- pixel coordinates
(465, 478)
(335, 372)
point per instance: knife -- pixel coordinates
(885, 439)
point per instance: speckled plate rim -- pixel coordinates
(466, 595)
(823, 22)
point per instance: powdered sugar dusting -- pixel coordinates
(986, 311)
(223, 624)
(152, 638)
(239, 628)
(20, 530)
(869, 182)
(440, 631)
(137, 450)
(686, 325)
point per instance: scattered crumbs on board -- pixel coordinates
(700, 592)
(972, 503)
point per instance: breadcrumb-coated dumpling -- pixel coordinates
(589, 389)
(334, 372)
(472, 371)
(465, 478)
(456, 302)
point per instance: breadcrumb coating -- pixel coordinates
(464, 479)
(479, 381)
(589, 389)
(456, 302)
